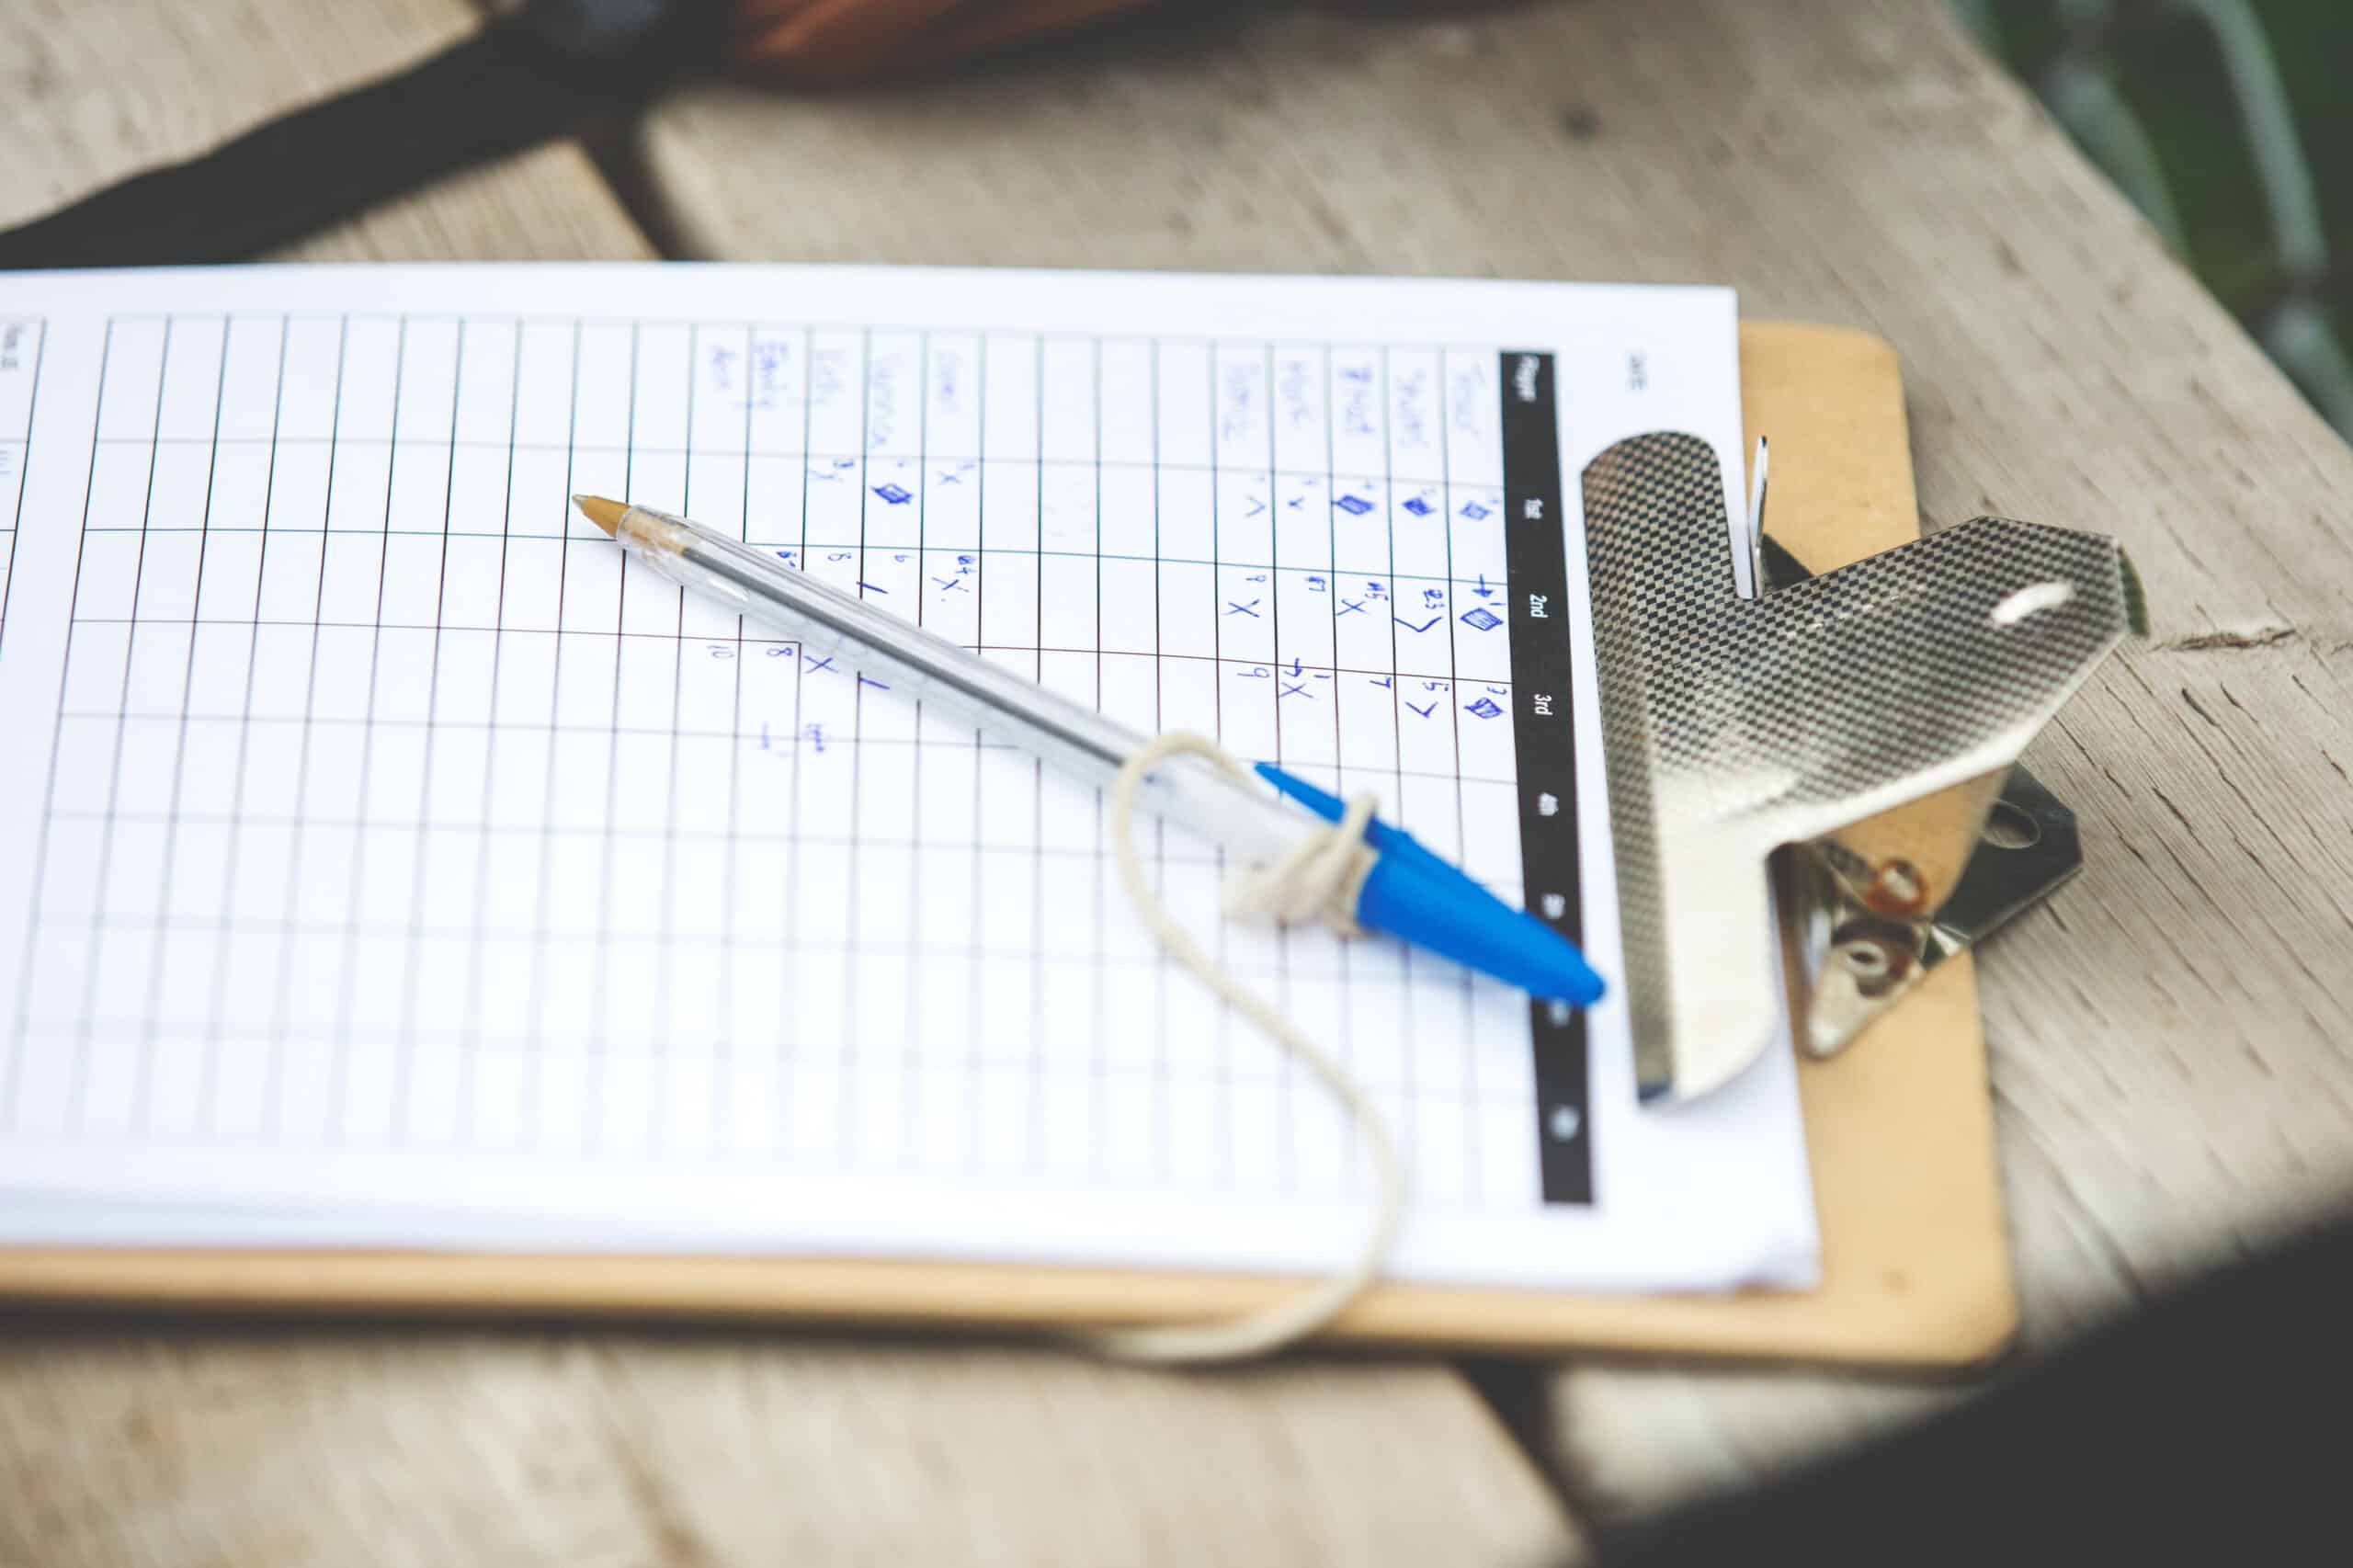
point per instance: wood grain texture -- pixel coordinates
(94, 90)
(93, 93)
(2171, 1037)
(260, 1450)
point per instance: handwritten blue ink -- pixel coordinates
(898, 495)
(1425, 713)
(1472, 510)
(1354, 505)
(1250, 610)
(769, 360)
(1484, 708)
(1298, 398)
(1240, 408)
(1471, 401)
(948, 378)
(1419, 506)
(826, 376)
(1423, 627)
(1407, 394)
(1356, 408)
(882, 401)
(1481, 617)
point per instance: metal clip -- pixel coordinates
(1807, 716)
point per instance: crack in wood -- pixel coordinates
(2208, 641)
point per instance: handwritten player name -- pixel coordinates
(1410, 415)
(882, 402)
(948, 379)
(1238, 402)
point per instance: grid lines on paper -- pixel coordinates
(22, 344)
(390, 809)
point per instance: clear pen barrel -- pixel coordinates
(919, 665)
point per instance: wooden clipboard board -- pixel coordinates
(1915, 1267)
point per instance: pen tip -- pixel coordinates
(606, 515)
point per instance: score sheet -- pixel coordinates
(381, 862)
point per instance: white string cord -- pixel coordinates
(1320, 879)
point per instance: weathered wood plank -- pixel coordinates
(260, 1449)
(2171, 1037)
(92, 92)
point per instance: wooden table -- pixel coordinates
(2171, 1037)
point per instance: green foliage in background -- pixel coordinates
(2230, 124)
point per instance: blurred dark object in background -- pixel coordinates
(2229, 123)
(847, 41)
(2208, 1427)
(850, 41)
(540, 69)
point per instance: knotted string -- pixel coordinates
(1318, 880)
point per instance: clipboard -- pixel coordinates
(1916, 1267)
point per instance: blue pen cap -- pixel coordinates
(1454, 915)
(1417, 895)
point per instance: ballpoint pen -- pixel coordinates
(1405, 889)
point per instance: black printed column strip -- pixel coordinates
(1545, 742)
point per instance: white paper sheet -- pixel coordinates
(379, 862)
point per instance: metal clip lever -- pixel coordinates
(1855, 927)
